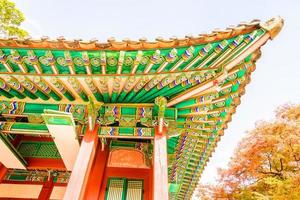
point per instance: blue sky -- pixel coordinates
(276, 80)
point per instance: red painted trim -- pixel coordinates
(61, 184)
(96, 175)
(37, 139)
(4, 198)
(150, 188)
(46, 190)
(31, 183)
(45, 163)
(22, 182)
(3, 171)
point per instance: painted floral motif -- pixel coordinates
(79, 112)
(145, 60)
(62, 61)
(129, 83)
(165, 82)
(128, 61)
(11, 107)
(112, 61)
(36, 175)
(103, 85)
(144, 113)
(78, 61)
(90, 83)
(220, 104)
(117, 81)
(226, 91)
(127, 122)
(141, 84)
(41, 83)
(95, 62)
(153, 82)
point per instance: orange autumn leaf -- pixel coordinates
(266, 163)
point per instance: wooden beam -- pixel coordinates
(200, 88)
(19, 191)
(46, 189)
(79, 177)
(32, 182)
(160, 165)
(45, 163)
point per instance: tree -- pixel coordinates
(266, 164)
(10, 20)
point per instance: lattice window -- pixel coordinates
(27, 150)
(124, 189)
(115, 189)
(134, 190)
(38, 149)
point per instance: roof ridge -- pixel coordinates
(273, 26)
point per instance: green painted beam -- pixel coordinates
(24, 128)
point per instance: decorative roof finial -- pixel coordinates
(273, 26)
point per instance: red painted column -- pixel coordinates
(79, 177)
(160, 164)
(46, 190)
(97, 174)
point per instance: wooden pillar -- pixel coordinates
(46, 190)
(78, 180)
(97, 174)
(160, 164)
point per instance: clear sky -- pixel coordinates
(276, 80)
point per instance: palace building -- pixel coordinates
(119, 120)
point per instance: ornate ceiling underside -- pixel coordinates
(202, 78)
